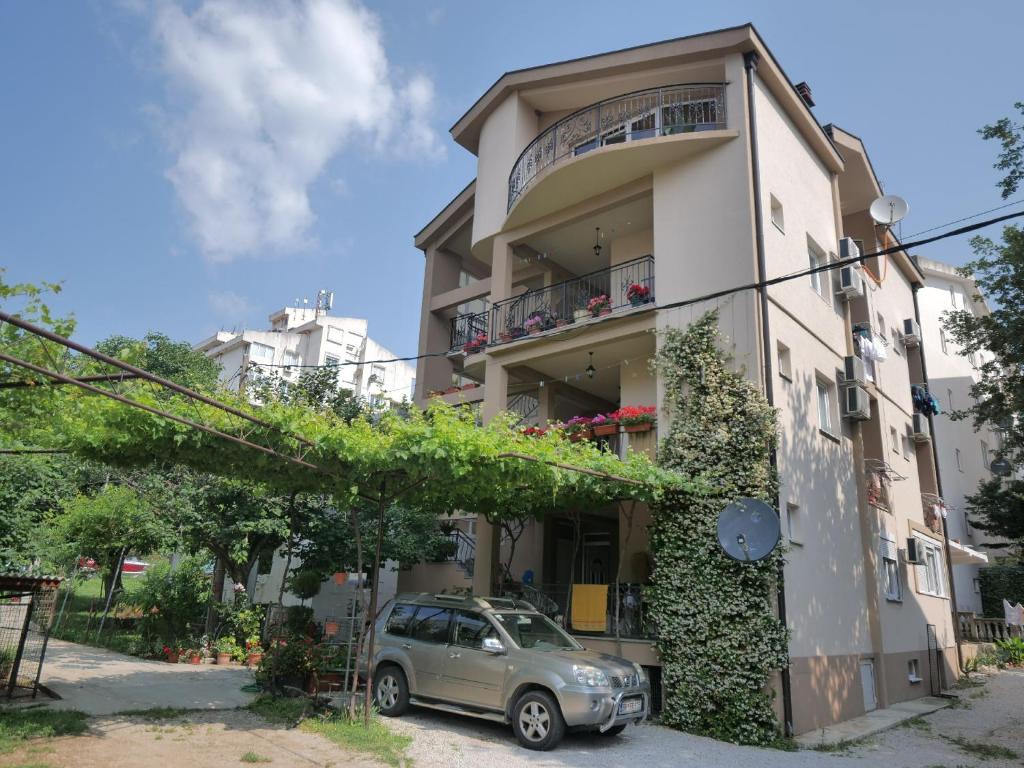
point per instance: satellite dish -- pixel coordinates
(748, 530)
(1001, 467)
(889, 209)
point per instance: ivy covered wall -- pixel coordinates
(718, 636)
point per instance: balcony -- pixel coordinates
(648, 114)
(597, 295)
(469, 332)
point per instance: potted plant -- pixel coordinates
(636, 418)
(172, 654)
(603, 425)
(638, 294)
(475, 344)
(599, 305)
(517, 332)
(469, 386)
(452, 390)
(580, 311)
(578, 428)
(534, 431)
(534, 324)
(253, 651)
(226, 647)
(505, 336)
(561, 322)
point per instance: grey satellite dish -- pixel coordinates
(748, 530)
(889, 209)
(1001, 467)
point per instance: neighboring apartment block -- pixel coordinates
(306, 336)
(609, 188)
(965, 454)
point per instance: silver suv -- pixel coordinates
(499, 659)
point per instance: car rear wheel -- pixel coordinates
(615, 730)
(391, 691)
(537, 721)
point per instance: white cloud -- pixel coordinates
(228, 308)
(271, 92)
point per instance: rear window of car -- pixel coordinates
(399, 620)
(430, 624)
(471, 629)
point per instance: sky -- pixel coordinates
(190, 166)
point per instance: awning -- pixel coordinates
(963, 555)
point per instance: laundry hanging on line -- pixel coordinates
(924, 401)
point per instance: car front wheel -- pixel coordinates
(537, 721)
(391, 691)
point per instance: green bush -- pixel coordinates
(241, 619)
(173, 603)
(999, 582)
(1011, 651)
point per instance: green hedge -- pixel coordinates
(1000, 582)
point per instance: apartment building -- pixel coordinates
(308, 336)
(611, 188)
(965, 454)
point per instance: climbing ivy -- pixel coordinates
(718, 636)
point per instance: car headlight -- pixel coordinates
(591, 676)
(641, 674)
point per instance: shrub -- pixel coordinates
(173, 603)
(999, 582)
(1011, 651)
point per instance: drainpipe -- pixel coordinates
(750, 60)
(938, 488)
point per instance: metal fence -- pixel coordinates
(25, 619)
(469, 332)
(664, 111)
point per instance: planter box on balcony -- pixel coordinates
(505, 337)
(645, 427)
(451, 390)
(467, 387)
(603, 312)
(581, 314)
(603, 430)
(562, 322)
(535, 330)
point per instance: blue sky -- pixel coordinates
(126, 176)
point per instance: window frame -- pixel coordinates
(417, 621)
(775, 206)
(824, 394)
(454, 632)
(931, 579)
(784, 360)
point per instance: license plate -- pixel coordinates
(631, 705)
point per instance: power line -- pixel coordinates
(967, 218)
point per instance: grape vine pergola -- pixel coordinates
(438, 459)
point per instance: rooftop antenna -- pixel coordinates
(748, 530)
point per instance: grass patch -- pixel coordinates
(378, 740)
(839, 747)
(81, 617)
(30, 765)
(279, 710)
(983, 750)
(967, 682)
(19, 726)
(917, 723)
(784, 744)
(157, 713)
(978, 694)
(252, 757)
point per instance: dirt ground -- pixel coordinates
(199, 740)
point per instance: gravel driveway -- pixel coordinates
(992, 714)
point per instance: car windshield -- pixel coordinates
(536, 632)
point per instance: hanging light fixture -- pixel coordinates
(591, 370)
(597, 242)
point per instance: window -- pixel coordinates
(881, 330)
(824, 390)
(377, 374)
(976, 584)
(930, 579)
(292, 358)
(471, 629)
(815, 260)
(778, 219)
(337, 335)
(793, 524)
(785, 364)
(536, 631)
(897, 339)
(333, 360)
(398, 621)
(261, 353)
(890, 569)
(959, 461)
(894, 439)
(431, 624)
(942, 341)
(913, 671)
(984, 455)
(952, 296)
(949, 396)
(972, 360)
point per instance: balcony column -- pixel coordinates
(441, 274)
(488, 537)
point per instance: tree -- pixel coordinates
(998, 509)
(998, 271)
(160, 355)
(32, 487)
(107, 526)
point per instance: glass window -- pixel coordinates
(959, 460)
(531, 630)
(471, 629)
(778, 219)
(892, 579)
(261, 353)
(291, 358)
(984, 455)
(894, 438)
(331, 360)
(942, 341)
(398, 621)
(785, 364)
(431, 624)
(793, 523)
(930, 580)
(814, 260)
(824, 405)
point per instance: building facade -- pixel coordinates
(612, 192)
(300, 337)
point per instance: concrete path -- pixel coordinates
(101, 682)
(872, 722)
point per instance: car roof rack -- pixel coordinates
(469, 601)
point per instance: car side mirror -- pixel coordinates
(493, 645)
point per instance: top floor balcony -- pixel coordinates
(665, 111)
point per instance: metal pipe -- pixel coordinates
(110, 593)
(938, 487)
(750, 60)
(100, 377)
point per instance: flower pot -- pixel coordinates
(471, 385)
(172, 657)
(223, 658)
(645, 427)
(603, 312)
(534, 330)
(603, 430)
(253, 659)
(451, 390)
(575, 437)
(195, 658)
(562, 322)
(581, 314)
(505, 337)
(586, 434)
(636, 301)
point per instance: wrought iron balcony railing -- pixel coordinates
(595, 294)
(469, 332)
(645, 114)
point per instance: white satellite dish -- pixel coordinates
(889, 209)
(748, 530)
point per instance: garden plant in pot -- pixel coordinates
(604, 425)
(600, 305)
(226, 647)
(172, 654)
(475, 344)
(534, 324)
(635, 418)
(578, 428)
(638, 294)
(580, 311)
(253, 651)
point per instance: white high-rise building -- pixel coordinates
(300, 337)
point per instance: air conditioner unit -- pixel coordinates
(848, 249)
(922, 432)
(851, 284)
(911, 333)
(914, 554)
(853, 371)
(856, 404)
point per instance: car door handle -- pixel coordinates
(454, 655)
